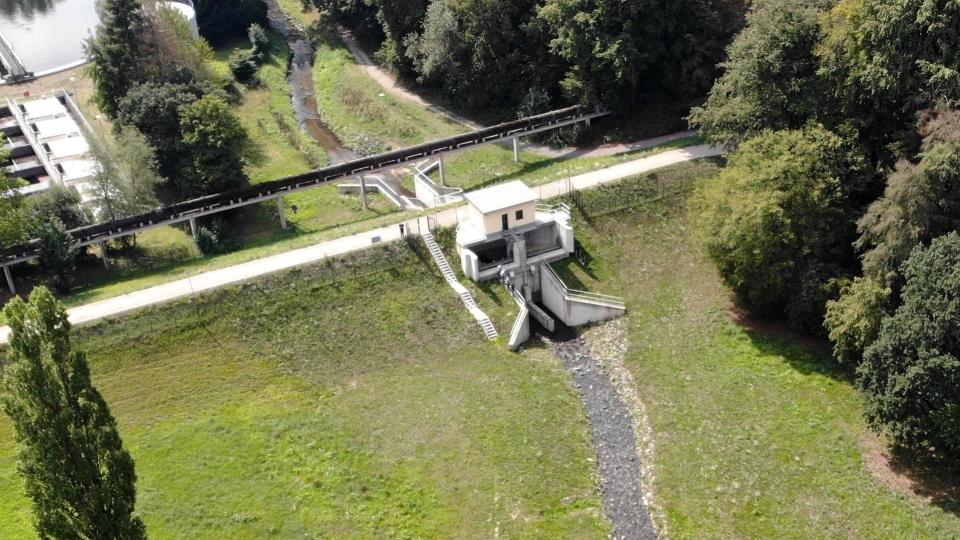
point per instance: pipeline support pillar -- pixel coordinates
(443, 172)
(516, 149)
(103, 255)
(282, 211)
(10, 284)
(193, 228)
(363, 191)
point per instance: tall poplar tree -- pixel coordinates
(77, 473)
(117, 52)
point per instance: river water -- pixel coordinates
(47, 34)
(302, 86)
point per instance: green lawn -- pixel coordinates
(756, 436)
(355, 401)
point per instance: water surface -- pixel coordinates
(47, 34)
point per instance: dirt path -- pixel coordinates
(612, 427)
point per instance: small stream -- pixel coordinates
(300, 76)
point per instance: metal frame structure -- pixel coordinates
(189, 211)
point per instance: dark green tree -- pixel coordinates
(15, 221)
(222, 20)
(75, 470)
(116, 52)
(910, 376)
(886, 59)
(154, 109)
(779, 222)
(618, 50)
(215, 141)
(921, 202)
(57, 253)
(770, 78)
(60, 202)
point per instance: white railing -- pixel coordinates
(612, 301)
(438, 195)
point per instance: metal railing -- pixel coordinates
(612, 301)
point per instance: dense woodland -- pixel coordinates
(837, 213)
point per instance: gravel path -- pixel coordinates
(615, 439)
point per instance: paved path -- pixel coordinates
(355, 242)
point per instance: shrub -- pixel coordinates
(911, 374)
(853, 320)
(243, 65)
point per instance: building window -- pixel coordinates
(519, 215)
(505, 221)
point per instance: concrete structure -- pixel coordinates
(499, 217)
(185, 8)
(47, 140)
(506, 235)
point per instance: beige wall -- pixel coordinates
(492, 223)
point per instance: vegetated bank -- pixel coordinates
(757, 434)
(355, 398)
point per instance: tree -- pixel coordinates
(59, 202)
(75, 470)
(910, 375)
(222, 20)
(399, 18)
(853, 320)
(57, 254)
(617, 50)
(126, 179)
(116, 52)
(921, 202)
(770, 78)
(886, 59)
(779, 221)
(154, 109)
(15, 222)
(215, 141)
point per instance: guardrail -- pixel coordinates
(612, 301)
(214, 204)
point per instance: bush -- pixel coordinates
(853, 321)
(243, 65)
(911, 374)
(779, 222)
(214, 238)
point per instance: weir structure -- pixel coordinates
(507, 235)
(189, 211)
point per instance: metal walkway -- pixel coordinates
(488, 329)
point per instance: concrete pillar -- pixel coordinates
(443, 172)
(363, 191)
(282, 210)
(10, 284)
(516, 149)
(103, 255)
(193, 227)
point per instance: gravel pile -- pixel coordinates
(612, 426)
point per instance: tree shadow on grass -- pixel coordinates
(806, 354)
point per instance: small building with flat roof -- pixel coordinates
(497, 217)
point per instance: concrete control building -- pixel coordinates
(506, 235)
(498, 218)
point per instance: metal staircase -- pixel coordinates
(488, 329)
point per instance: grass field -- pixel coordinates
(363, 403)
(756, 436)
